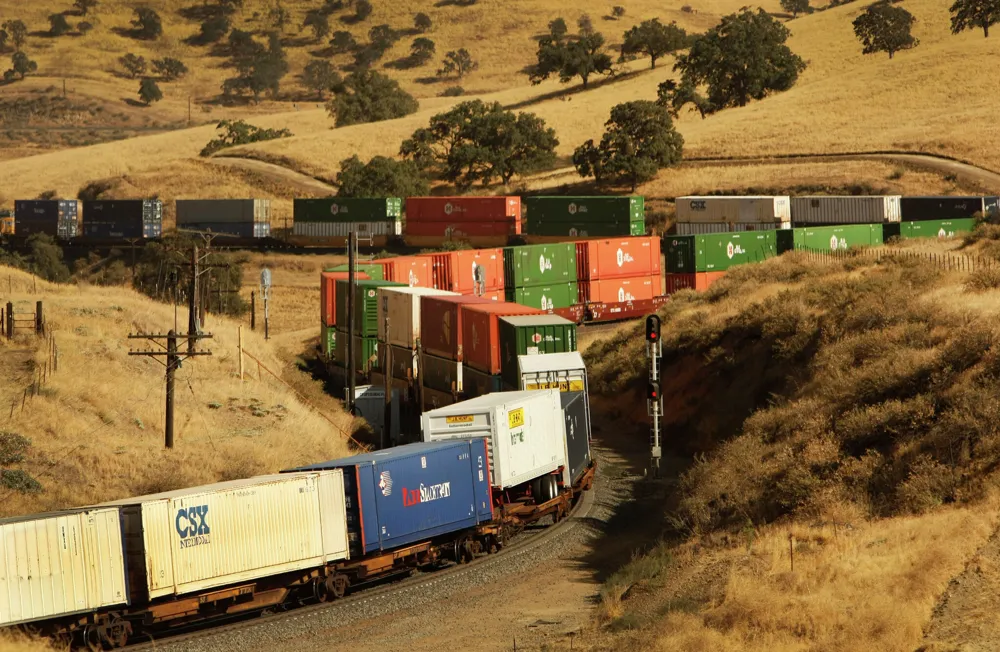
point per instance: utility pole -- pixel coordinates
(265, 292)
(173, 361)
(196, 300)
(387, 375)
(654, 401)
(352, 281)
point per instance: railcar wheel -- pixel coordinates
(336, 585)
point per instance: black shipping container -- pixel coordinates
(55, 217)
(914, 209)
(235, 229)
(575, 416)
(123, 219)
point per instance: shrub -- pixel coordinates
(453, 91)
(239, 132)
(369, 96)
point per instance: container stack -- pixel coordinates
(585, 217)
(620, 270)
(532, 335)
(365, 323)
(402, 306)
(697, 261)
(541, 276)
(336, 217)
(123, 219)
(837, 210)
(328, 309)
(478, 220)
(58, 218)
(241, 218)
(830, 238)
(481, 346)
(414, 271)
(701, 215)
(940, 217)
(441, 342)
(473, 271)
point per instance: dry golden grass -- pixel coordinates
(97, 427)
(15, 642)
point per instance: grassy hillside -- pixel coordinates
(96, 428)
(848, 404)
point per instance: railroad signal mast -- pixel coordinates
(654, 402)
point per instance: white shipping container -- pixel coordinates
(846, 210)
(736, 209)
(342, 229)
(700, 228)
(60, 563)
(402, 305)
(204, 537)
(524, 429)
(207, 211)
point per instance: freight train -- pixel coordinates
(103, 574)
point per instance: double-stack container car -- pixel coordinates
(332, 219)
(542, 276)
(839, 210)
(122, 219)
(241, 218)
(584, 217)
(620, 269)
(830, 238)
(58, 218)
(722, 214)
(919, 209)
(481, 221)
(471, 271)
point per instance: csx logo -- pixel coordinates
(192, 525)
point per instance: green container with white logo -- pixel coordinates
(532, 335)
(547, 264)
(601, 216)
(365, 305)
(937, 228)
(830, 238)
(717, 252)
(348, 209)
(373, 271)
(545, 297)
(328, 341)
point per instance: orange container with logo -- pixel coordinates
(617, 258)
(480, 346)
(328, 294)
(698, 282)
(441, 324)
(456, 271)
(415, 271)
(620, 290)
(463, 209)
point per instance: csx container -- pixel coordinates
(480, 347)
(830, 238)
(61, 563)
(545, 296)
(619, 258)
(371, 269)
(767, 210)
(402, 306)
(347, 210)
(532, 335)
(365, 351)
(576, 426)
(441, 324)
(687, 254)
(585, 216)
(469, 271)
(946, 207)
(328, 294)
(204, 537)
(700, 228)
(834, 210)
(365, 305)
(413, 492)
(123, 218)
(524, 431)
(56, 217)
(620, 290)
(539, 264)
(936, 228)
(459, 210)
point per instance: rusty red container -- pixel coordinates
(328, 294)
(455, 271)
(463, 209)
(620, 290)
(441, 324)
(480, 346)
(617, 258)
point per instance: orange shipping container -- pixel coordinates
(480, 347)
(620, 290)
(328, 294)
(455, 271)
(415, 271)
(441, 324)
(698, 282)
(617, 258)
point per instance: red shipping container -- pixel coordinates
(463, 209)
(455, 270)
(457, 230)
(620, 290)
(441, 324)
(618, 258)
(415, 271)
(698, 282)
(328, 294)
(481, 333)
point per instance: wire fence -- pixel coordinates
(41, 375)
(942, 260)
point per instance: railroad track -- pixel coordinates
(525, 542)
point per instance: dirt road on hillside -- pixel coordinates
(277, 173)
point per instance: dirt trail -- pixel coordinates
(280, 174)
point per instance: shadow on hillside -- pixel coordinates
(430, 80)
(404, 63)
(574, 89)
(200, 12)
(135, 103)
(298, 41)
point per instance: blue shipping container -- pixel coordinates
(399, 496)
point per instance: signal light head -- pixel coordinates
(652, 392)
(652, 328)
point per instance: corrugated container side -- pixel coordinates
(690, 228)
(457, 230)
(584, 210)
(531, 335)
(680, 254)
(480, 346)
(597, 259)
(915, 209)
(835, 210)
(366, 356)
(414, 271)
(56, 217)
(576, 426)
(699, 281)
(441, 374)
(61, 563)
(365, 305)
(620, 290)
(463, 209)
(546, 296)
(719, 252)
(832, 238)
(937, 228)
(441, 324)
(768, 210)
(539, 264)
(415, 492)
(347, 209)
(246, 230)
(524, 431)
(402, 306)
(343, 229)
(373, 271)
(458, 271)
(220, 211)
(404, 363)
(328, 294)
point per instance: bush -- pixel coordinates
(369, 96)
(380, 177)
(453, 91)
(982, 280)
(238, 132)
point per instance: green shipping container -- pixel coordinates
(937, 228)
(539, 264)
(830, 238)
(891, 230)
(365, 352)
(610, 229)
(532, 335)
(717, 252)
(365, 305)
(374, 272)
(347, 209)
(328, 341)
(545, 297)
(584, 210)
